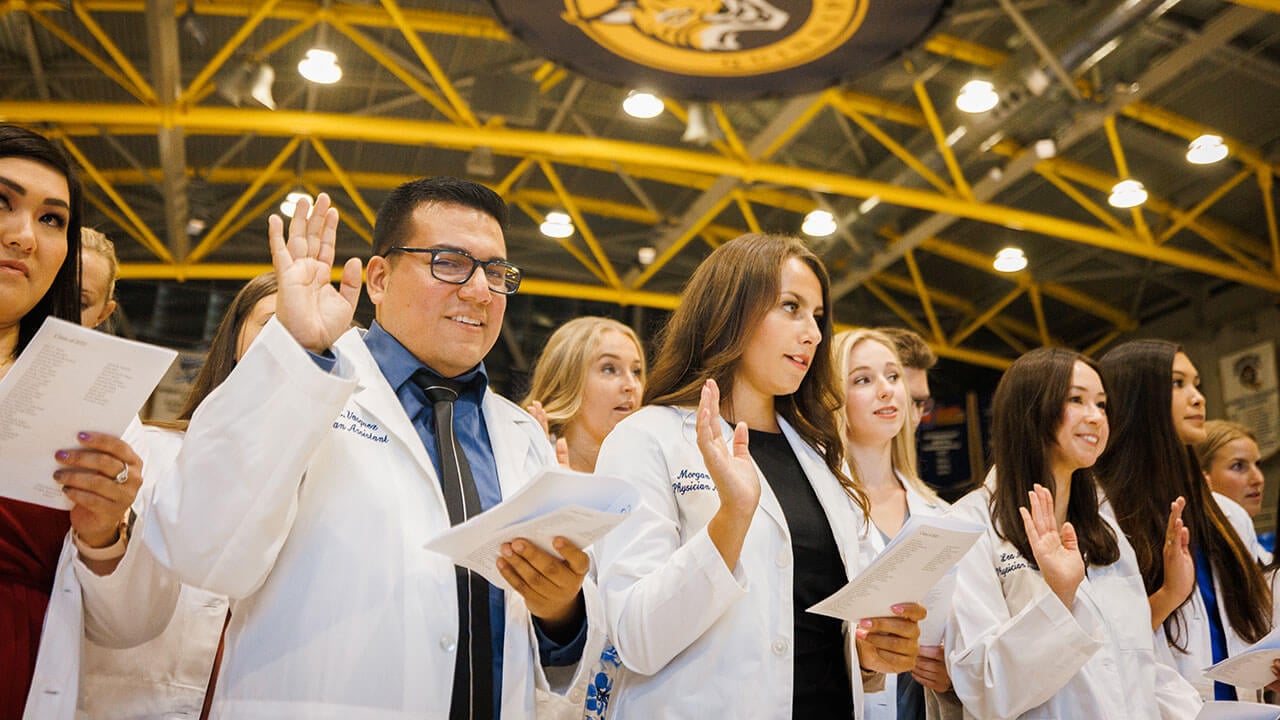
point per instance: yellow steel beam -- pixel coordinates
(674, 248)
(257, 212)
(893, 146)
(730, 136)
(1269, 206)
(965, 51)
(215, 237)
(279, 41)
(744, 206)
(1268, 5)
(227, 50)
(1008, 339)
(872, 106)
(571, 148)
(352, 222)
(985, 317)
(522, 167)
(794, 128)
(1122, 169)
(874, 288)
(372, 50)
(109, 210)
(680, 113)
(922, 291)
(1083, 201)
(587, 236)
(1203, 205)
(940, 139)
(1033, 291)
(564, 243)
(83, 51)
(429, 62)
(107, 44)
(1187, 129)
(1102, 342)
(997, 325)
(343, 179)
(151, 242)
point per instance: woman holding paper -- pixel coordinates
(705, 586)
(1208, 597)
(881, 455)
(168, 675)
(1050, 618)
(40, 597)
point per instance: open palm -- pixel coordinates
(308, 305)
(1056, 550)
(734, 472)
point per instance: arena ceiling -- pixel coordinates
(924, 194)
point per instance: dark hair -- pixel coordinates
(1147, 466)
(1026, 414)
(62, 300)
(394, 222)
(725, 299)
(221, 359)
(912, 349)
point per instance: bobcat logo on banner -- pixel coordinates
(720, 49)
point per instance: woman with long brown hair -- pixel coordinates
(745, 523)
(1050, 618)
(1208, 597)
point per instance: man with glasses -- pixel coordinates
(312, 479)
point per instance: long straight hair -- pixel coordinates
(1147, 466)
(1026, 414)
(902, 451)
(560, 374)
(62, 299)
(221, 359)
(724, 301)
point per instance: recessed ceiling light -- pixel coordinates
(1206, 149)
(320, 66)
(1127, 194)
(1010, 259)
(977, 96)
(643, 105)
(818, 223)
(557, 225)
(291, 202)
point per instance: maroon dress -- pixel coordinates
(31, 538)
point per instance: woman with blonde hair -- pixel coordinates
(98, 271)
(879, 445)
(589, 377)
(706, 585)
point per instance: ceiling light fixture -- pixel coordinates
(291, 202)
(557, 225)
(977, 96)
(818, 223)
(646, 255)
(1127, 194)
(1206, 149)
(1010, 260)
(321, 67)
(643, 105)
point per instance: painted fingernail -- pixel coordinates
(506, 551)
(83, 435)
(861, 633)
(865, 622)
(518, 546)
(898, 609)
(61, 455)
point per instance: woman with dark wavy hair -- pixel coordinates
(40, 562)
(1208, 597)
(1050, 617)
(706, 585)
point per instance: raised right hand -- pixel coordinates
(1179, 567)
(310, 308)
(1056, 550)
(734, 473)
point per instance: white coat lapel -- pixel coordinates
(509, 433)
(831, 495)
(375, 396)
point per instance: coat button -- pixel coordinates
(780, 646)
(448, 643)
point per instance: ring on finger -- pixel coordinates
(122, 476)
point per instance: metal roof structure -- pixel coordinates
(1092, 92)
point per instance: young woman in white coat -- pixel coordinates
(880, 450)
(1231, 462)
(1050, 618)
(744, 524)
(1209, 599)
(588, 378)
(167, 677)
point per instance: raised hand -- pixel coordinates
(308, 305)
(1179, 567)
(733, 473)
(1056, 551)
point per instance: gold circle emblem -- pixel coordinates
(715, 38)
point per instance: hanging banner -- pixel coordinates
(720, 49)
(1251, 394)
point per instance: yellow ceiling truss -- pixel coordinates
(761, 181)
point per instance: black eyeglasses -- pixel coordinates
(456, 268)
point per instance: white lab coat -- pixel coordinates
(1014, 650)
(695, 639)
(83, 605)
(1195, 616)
(883, 705)
(307, 497)
(164, 678)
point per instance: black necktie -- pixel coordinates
(473, 669)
